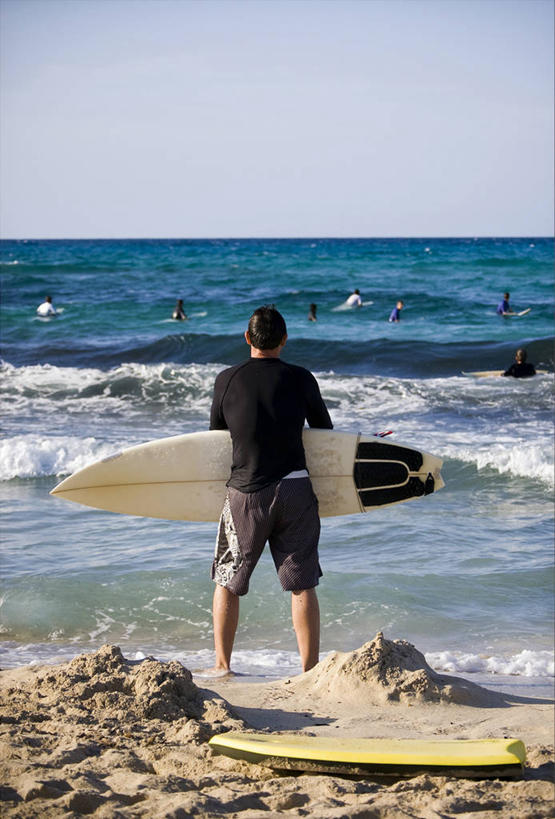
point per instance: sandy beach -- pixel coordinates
(111, 737)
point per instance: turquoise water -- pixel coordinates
(465, 574)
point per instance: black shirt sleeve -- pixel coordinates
(217, 420)
(317, 414)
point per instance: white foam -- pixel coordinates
(32, 456)
(262, 663)
(126, 391)
(526, 663)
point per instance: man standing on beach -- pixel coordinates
(264, 403)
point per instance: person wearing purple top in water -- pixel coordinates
(396, 312)
(504, 308)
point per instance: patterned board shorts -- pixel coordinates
(286, 515)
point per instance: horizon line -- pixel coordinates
(263, 238)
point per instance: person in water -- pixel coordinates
(504, 308)
(264, 402)
(179, 313)
(521, 368)
(396, 312)
(46, 308)
(312, 313)
(354, 299)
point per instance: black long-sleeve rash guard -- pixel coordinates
(264, 403)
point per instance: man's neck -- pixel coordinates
(256, 353)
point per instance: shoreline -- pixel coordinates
(107, 736)
(539, 685)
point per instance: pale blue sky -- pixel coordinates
(200, 118)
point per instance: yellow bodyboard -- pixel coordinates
(398, 757)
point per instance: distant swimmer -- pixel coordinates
(521, 369)
(396, 312)
(312, 313)
(179, 313)
(46, 308)
(504, 308)
(354, 299)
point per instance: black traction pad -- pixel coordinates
(372, 451)
(380, 478)
(370, 474)
(414, 488)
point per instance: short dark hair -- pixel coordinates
(266, 328)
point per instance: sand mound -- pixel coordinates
(105, 686)
(390, 671)
(106, 681)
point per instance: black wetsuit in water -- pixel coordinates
(521, 370)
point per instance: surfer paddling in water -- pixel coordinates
(264, 403)
(521, 368)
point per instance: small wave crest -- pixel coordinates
(519, 458)
(346, 355)
(526, 663)
(34, 456)
(46, 387)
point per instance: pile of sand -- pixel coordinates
(73, 731)
(101, 735)
(390, 671)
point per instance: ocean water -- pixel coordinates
(465, 574)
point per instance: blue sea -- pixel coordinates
(466, 574)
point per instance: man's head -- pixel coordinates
(521, 356)
(506, 296)
(267, 329)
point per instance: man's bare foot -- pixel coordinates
(213, 673)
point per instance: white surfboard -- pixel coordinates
(496, 373)
(517, 314)
(184, 477)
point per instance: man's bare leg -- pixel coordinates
(305, 612)
(225, 614)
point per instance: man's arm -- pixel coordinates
(317, 414)
(217, 419)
